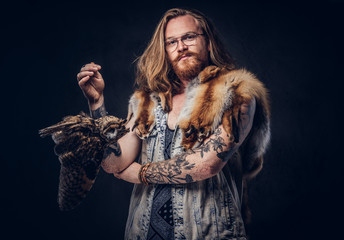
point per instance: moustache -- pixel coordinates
(184, 54)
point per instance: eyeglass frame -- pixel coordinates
(179, 39)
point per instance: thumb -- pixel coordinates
(97, 73)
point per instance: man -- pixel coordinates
(194, 153)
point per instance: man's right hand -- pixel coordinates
(92, 84)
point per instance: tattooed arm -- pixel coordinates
(198, 164)
(120, 155)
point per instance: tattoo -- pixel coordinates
(170, 171)
(99, 112)
(114, 148)
(188, 178)
(216, 144)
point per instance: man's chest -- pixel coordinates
(177, 106)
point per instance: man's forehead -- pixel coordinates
(181, 25)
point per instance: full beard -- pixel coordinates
(189, 68)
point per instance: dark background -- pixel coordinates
(293, 47)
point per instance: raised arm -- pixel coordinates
(119, 156)
(92, 85)
(201, 163)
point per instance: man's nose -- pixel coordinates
(181, 46)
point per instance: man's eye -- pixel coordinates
(190, 37)
(172, 42)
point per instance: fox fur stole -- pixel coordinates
(213, 98)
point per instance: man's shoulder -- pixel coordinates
(230, 78)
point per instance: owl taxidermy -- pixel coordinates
(80, 143)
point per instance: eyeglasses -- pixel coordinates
(189, 39)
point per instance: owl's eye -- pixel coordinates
(111, 133)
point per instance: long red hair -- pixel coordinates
(153, 70)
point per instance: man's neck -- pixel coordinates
(185, 82)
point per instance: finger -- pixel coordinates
(97, 74)
(90, 67)
(80, 75)
(83, 81)
(96, 65)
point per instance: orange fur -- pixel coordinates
(209, 105)
(145, 118)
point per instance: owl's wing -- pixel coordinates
(80, 143)
(79, 169)
(70, 124)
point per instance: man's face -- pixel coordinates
(187, 61)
